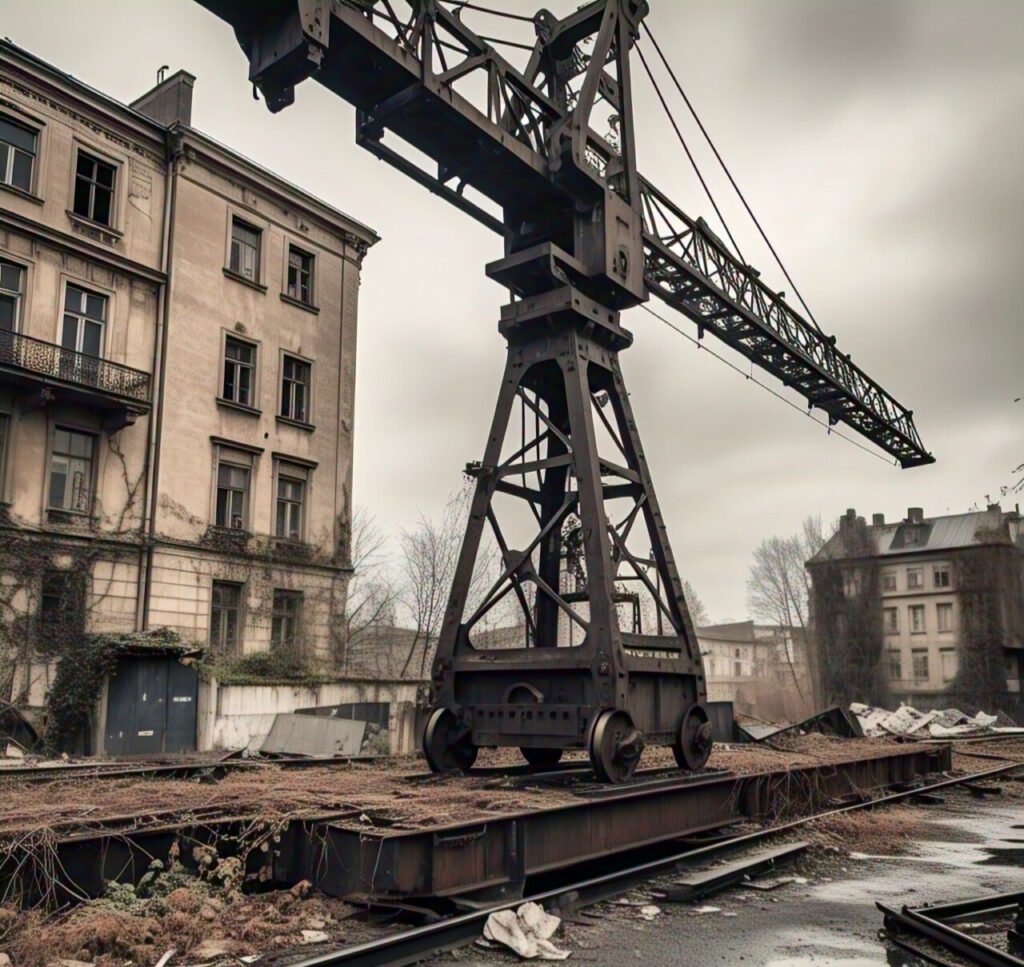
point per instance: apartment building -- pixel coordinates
(946, 596)
(177, 371)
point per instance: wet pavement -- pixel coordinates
(963, 848)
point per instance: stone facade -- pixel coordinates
(177, 373)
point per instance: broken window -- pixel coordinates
(284, 627)
(892, 621)
(17, 154)
(915, 578)
(245, 250)
(12, 281)
(225, 612)
(71, 471)
(300, 275)
(940, 576)
(239, 372)
(94, 189)
(920, 665)
(916, 612)
(895, 666)
(232, 495)
(944, 612)
(295, 380)
(291, 499)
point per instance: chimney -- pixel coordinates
(170, 102)
(915, 515)
(877, 520)
(995, 507)
(846, 521)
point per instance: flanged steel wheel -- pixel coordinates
(615, 746)
(693, 743)
(447, 748)
(541, 757)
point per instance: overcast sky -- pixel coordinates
(880, 142)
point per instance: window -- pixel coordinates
(737, 666)
(232, 495)
(94, 189)
(948, 662)
(300, 275)
(940, 576)
(61, 605)
(295, 379)
(71, 471)
(852, 582)
(892, 621)
(944, 612)
(911, 535)
(17, 154)
(12, 282)
(284, 626)
(916, 619)
(225, 609)
(239, 372)
(245, 251)
(291, 499)
(5, 429)
(895, 666)
(84, 318)
(915, 577)
(920, 665)
(889, 581)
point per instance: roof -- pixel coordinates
(141, 120)
(929, 534)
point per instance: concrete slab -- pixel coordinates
(313, 735)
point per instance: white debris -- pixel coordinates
(907, 720)
(649, 912)
(703, 910)
(314, 936)
(526, 931)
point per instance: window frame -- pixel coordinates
(891, 628)
(944, 608)
(93, 468)
(916, 609)
(246, 497)
(300, 471)
(943, 654)
(243, 457)
(311, 303)
(35, 128)
(285, 357)
(890, 582)
(82, 318)
(20, 296)
(227, 337)
(260, 231)
(894, 658)
(98, 158)
(915, 574)
(946, 572)
(916, 655)
(237, 645)
(277, 614)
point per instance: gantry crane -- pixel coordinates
(586, 237)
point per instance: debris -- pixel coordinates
(772, 883)
(650, 912)
(939, 724)
(315, 736)
(5, 960)
(162, 962)
(703, 910)
(526, 931)
(314, 936)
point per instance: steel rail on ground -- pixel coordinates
(411, 946)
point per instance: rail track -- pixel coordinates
(431, 939)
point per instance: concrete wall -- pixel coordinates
(240, 716)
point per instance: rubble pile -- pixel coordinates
(936, 724)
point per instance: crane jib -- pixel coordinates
(405, 82)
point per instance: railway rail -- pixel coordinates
(431, 939)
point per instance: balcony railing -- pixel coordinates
(67, 366)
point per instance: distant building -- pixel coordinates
(762, 670)
(932, 607)
(177, 372)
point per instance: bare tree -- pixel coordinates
(698, 613)
(370, 599)
(779, 586)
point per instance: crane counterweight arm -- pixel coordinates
(517, 139)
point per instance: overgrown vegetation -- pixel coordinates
(847, 605)
(83, 665)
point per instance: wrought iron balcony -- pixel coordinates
(33, 361)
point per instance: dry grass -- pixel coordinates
(888, 830)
